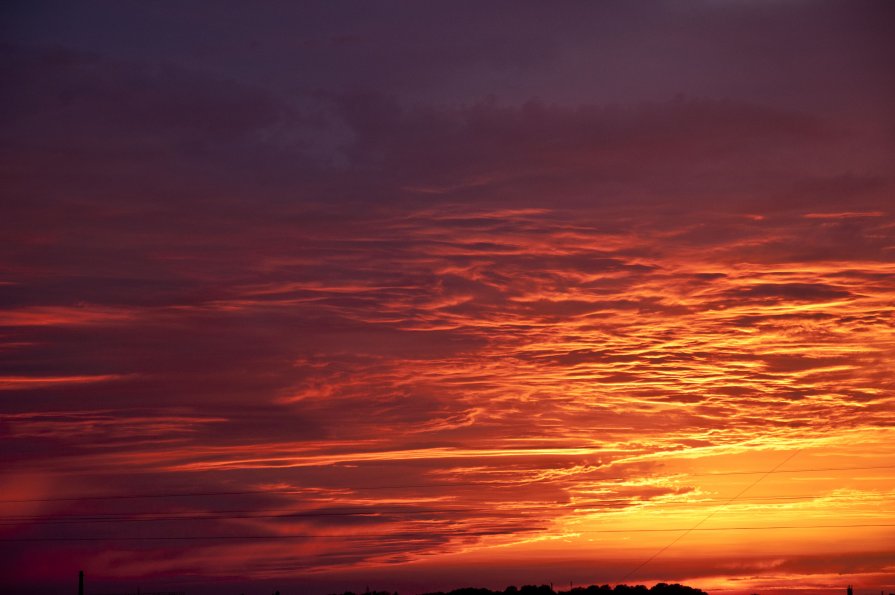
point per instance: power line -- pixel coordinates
(685, 530)
(803, 470)
(745, 528)
(291, 514)
(573, 506)
(248, 515)
(146, 496)
(298, 490)
(710, 515)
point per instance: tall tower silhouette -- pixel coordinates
(849, 591)
(81, 583)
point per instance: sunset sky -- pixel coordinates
(315, 296)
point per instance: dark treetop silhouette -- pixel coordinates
(657, 589)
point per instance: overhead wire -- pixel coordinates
(202, 515)
(710, 515)
(298, 489)
(292, 514)
(426, 533)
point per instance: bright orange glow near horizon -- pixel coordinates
(422, 338)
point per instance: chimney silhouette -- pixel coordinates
(81, 582)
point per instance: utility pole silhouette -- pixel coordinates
(81, 582)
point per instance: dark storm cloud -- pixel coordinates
(611, 51)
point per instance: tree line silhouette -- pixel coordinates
(657, 589)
